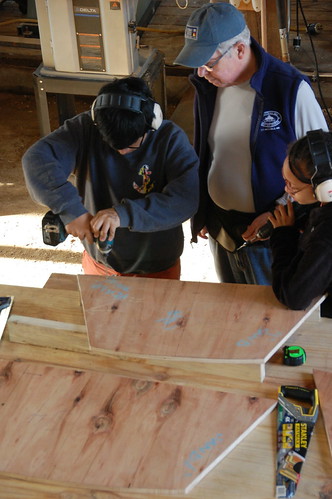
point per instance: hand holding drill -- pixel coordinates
(291, 213)
(55, 232)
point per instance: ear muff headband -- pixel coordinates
(118, 101)
(321, 180)
(128, 102)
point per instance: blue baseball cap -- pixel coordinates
(206, 28)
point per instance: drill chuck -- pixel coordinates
(105, 247)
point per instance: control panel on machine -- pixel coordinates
(88, 36)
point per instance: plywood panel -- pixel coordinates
(97, 429)
(47, 317)
(164, 318)
(50, 304)
(323, 382)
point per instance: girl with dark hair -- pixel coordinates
(302, 261)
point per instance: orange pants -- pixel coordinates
(90, 266)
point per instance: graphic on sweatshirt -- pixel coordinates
(147, 185)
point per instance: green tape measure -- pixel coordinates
(294, 355)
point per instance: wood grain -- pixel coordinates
(73, 337)
(47, 317)
(323, 382)
(90, 428)
(161, 318)
(50, 304)
(62, 281)
(44, 332)
(251, 462)
(314, 335)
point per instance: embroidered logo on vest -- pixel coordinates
(147, 185)
(271, 120)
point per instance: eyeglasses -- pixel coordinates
(293, 190)
(209, 67)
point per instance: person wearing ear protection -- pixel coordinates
(302, 262)
(136, 181)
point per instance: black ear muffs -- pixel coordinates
(321, 180)
(130, 102)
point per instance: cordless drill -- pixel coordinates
(54, 233)
(300, 211)
(53, 229)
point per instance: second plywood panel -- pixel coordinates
(102, 430)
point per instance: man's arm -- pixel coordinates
(308, 113)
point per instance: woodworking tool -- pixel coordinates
(295, 427)
(301, 213)
(294, 355)
(263, 233)
(104, 246)
(53, 229)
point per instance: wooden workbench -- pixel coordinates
(249, 470)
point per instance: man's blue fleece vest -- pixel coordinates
(272, 125)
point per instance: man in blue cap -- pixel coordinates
(249, 106)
